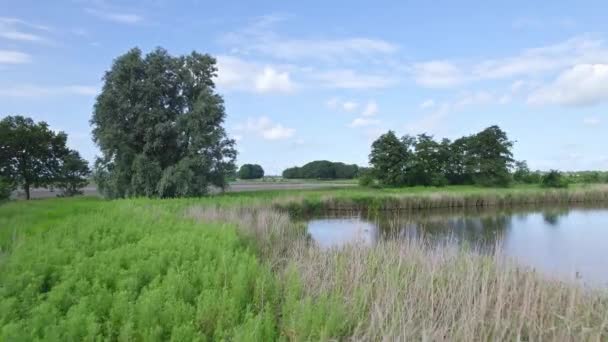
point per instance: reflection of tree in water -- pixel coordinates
(552, 216)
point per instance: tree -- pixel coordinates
(251, 171)
(73, 174)
(489, 157)
(390, 159)
(429, 162)
(322, 169)
(158, 123)
(553, 179)
(5, 189)
(30, 153)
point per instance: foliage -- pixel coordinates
(30, 153)
(251, 171)
(322, 169)
(73, 174)
(158, 123)
(523, 174)
(5, 189)
(366, 179)
(553, 179)
(483, 158)
(391, 159)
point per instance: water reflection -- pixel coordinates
(561, 241)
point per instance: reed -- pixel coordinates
(406, 289)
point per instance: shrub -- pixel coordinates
(5, 189)
(553, 179)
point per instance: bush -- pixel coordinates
(366, 179)
(5, 189)
(553, 179)
(323, 169)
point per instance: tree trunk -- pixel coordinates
(26, 188)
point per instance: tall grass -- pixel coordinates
(406, 289)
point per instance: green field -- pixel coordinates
(236, 267)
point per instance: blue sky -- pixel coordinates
(321, 80)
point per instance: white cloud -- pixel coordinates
(350, 79)
(271, 80)
(118, 17)
(262, 37)
(592, 121)
(437, 74)
(333, 103)
(17, 29)
(371, 109)
(529, 62)
(14, 57)
(580, 85)
(427, 104)
(265, 128)
(350, 106)
(237, 74)
(364, 122)
(33, 91)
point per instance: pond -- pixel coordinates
(567, 242)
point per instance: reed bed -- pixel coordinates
(410, 289)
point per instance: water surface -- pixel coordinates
(570, 243)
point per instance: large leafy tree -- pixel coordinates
(251, 171)
(391, 158)
(73, 174)
(490, 157)
(30, 153)
(158, 123)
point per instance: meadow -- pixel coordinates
(240, 267)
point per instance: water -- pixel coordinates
(570, 243)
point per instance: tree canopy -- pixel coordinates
(483, 158)
(158, 123)
(251, 171)
(31, 154)
(322, 169)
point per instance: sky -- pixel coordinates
(311, 80)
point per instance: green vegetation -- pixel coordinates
(5, 189)
(31, 155)
(322, 169)
(158, 123)
(553, 179)
(251, 171)
(232, 267)
(483, 159)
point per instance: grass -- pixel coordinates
(236, 267)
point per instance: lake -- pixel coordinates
(566, 242)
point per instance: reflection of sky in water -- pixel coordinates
(338, 232)
(561, 243)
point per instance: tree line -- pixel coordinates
(484, 158)
(322, 169)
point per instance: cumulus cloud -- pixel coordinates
(265, 128)
(271, 80)
(237, 74)
(528, 62)
(350, 106)
(427, 104)
(14, 57)
(371, 109)
(580, 85)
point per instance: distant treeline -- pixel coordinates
(323, 169)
